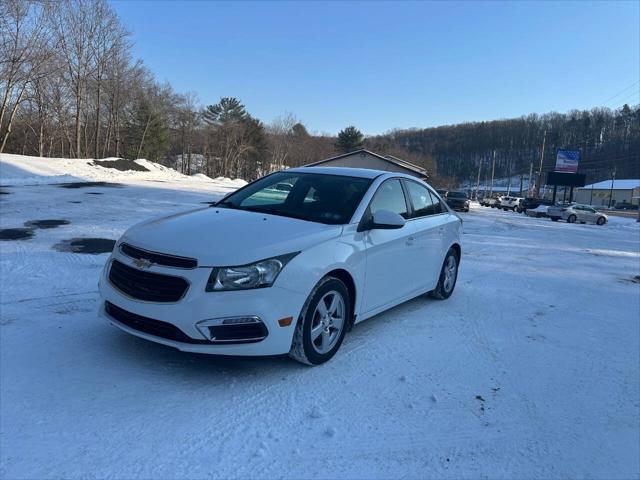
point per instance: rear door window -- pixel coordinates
(424, 202)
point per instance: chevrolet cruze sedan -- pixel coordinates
(271, 270)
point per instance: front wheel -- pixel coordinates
(448, 276)
(322, 324)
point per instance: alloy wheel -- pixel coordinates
(328, 321)
(450, 273)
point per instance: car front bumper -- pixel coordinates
(197, 305)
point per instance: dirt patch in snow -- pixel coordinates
(634, 279)
(121, 164)
(2, 192)
(88, 185)
(45, 223)
(94, 193)
(16, 233)
(91, 246)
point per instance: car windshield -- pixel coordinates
(330, 199)
(457, 195)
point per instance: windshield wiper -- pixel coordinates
(226, 204)
(273, 211)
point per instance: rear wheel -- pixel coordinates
(572, 218)
(322, 324)
(601, 221)
(555, 219)
(448, 276)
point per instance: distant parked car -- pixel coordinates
(626, 206)
(577, 213)
(458, 201)
(494, 201)
(509, 203)
(532, 203)
(443, 193)
(538, 212)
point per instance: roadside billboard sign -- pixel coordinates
(567, 161)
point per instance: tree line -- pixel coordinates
(70, 87)
(608, 139)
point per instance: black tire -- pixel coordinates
(601, 221)
(554, 219)
(441, 292)
(302, 348)
(572, 218)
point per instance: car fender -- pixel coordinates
(305, 270)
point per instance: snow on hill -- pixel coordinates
(24, 170)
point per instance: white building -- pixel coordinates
(598, 194)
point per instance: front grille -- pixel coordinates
(159, 258)
(153, 327)
(148, 286)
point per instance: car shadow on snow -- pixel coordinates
(157, 357)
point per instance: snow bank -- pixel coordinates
(16, 170)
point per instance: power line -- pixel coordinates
(621, 92)
(624, 99)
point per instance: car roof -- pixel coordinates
(345, 171)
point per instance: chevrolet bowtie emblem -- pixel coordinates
(142, 263)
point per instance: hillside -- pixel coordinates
(608, 139)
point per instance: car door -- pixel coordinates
(590, 215)
(389, 253)
(430, 218)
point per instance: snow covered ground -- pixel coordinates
(531, 369)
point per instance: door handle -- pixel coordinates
(410, 241)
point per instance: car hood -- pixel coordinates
(226, 237)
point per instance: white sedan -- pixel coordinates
(577, 213)
(270, 271)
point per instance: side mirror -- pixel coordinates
(386, 220)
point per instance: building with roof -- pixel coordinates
(365, 159)
(619, 190)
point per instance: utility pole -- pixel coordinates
(521, 181)
(530, 175)
(544, 142)
(493, 170)
(613, 177)
(478, 182)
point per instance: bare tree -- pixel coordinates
(281, 138)
(24, 37)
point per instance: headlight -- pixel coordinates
(255, 275)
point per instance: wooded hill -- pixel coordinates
(608, 140)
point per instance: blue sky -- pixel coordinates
(380, 65)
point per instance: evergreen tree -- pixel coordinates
(148, 133)
(299, 130)
(349, 139)
(226, 110)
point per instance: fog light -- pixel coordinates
(238, 320)
(205, 326)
